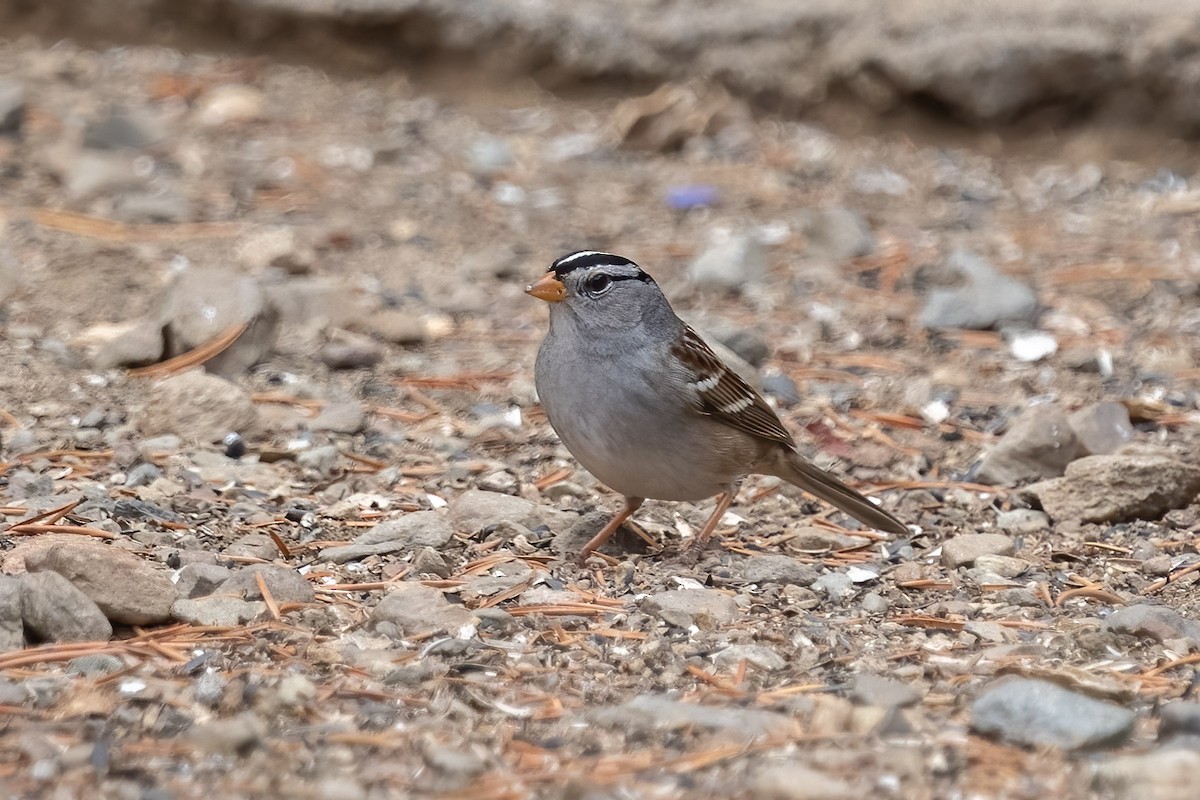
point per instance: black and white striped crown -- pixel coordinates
(584, 259)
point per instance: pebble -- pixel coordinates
(962, 550)
(253, 545)
(476, 509)
(1159, 623)
(686, 198)
(430, 562)
(132, 344)
(358, 353)
(874, 604)
(217, 610)
(837, 234)
(295, 690)
(128, 589)
(884, 692)
(1003, 566)
(285, 584)
(322, 460)
(703, 608)
(755, 654)
(232, 736)
(411, 608)
(795, 780)
(489, 155)
(12, 629)
(780, 387)
(1164, 774)
(732, 261)
(1118, 488)
(12, 106)
(651, 715)
(1178, 719)
(1102, 428)
(349, 416)
(880, 181)
(209, 687)
(142, 474)
(1036, 713)
(767, 569)
(398, 326)
(1039, 444)
(229, 103)
(412, 531)
(277, 246)
(200, 580)
(987, 298)
(1022, 521)
(837, 586)
(201, 303)
(53, 610)
(197, 407)
(92, 666)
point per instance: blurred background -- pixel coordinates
(956, 244)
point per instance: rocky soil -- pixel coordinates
(282, 516)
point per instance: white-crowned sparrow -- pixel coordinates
(647, 407)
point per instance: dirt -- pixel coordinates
(434, 191)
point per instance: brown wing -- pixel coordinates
(721, 392)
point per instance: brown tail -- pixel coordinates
(792, 467)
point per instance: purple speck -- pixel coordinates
(698, 195)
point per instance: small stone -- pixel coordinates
(295, 690)
(683, 608)
(357, 353)
(428, 561)
(230, 103)
(1004, 566)
(142, 474)
(410, 532)
(1163, 774)
(781, 387)
(233, 736)
(1178, 719)
(837, 586)
(452, 762)
(320, 459)
(755, 654)
(1040, 444)
(277, 246)
(731, 261)
(1031, 346)
(209, 687)
(837, 234)
(880, 181)
(135, 344)
(878, 690)
(1159, 623)
(197, 407)
(349, 416)
(217, 610)
(93, 666)
(1102, 428)
(652, 715)
(767, 569)
(1117, 488)
(475, 510)
(987, 297)
(411, 608)
(126, 588)
(12, 630)
(874, 604)
(12, 106)
(285, 585)
(489, 155)
(398, 326)
(202, 303)
(253, 545)
(54, 610)
(1036, 713)
(1022, 521)
(795, 780)
(962, 550)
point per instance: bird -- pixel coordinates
(646, 406)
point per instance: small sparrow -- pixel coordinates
(649, 409)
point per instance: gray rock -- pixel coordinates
(1003, 566)
(95, 665)
(320, 459)
(779, 569)
(1035, 713)
(489, 154)
(397, 326)
(12, 106)
(452, 762)
(1164, 774)
(12, 630)
(1040, 444)
(350, 353)
(963, 549)
(201, 303)
(346, 417)
(683, 608)
(875, 604)
(651, 715)
(756, 654)
(837, 234)
(1117, 488)
(253, 545)
(1178, 719)
(209, 687)
(837, 586)
(986, 298)
(1156, 622)
(142, 475)
(126, 588)
(233, 736)
(217, 610)
(410, 532)
(53, 610)
(140, 344)
(285, 585)
(200, 580)
(475, 510)
(197, 407)
(411, 608)
(1101, 428)
(881, 181)
(731, 261)
(428, 561)
(277, 246)
(884, 692)
(1022, 521)
(795, 780)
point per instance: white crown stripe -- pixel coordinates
(580, 254)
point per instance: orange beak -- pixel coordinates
(548, 288)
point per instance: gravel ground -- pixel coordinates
(369, 589)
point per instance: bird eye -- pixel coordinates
(597, 284)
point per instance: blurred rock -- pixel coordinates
(348, 416)
(12, 630)
(963, 549)
(779, 569)
(837, 234)
(277, 246)
(1022, 521)
(127, 589)
(1037, 713)
(217, 610)
(1159, 623)
(231, 103)
(1178, 719)
(731, 261)
(1116, 488)
(201, 303)
(285, 584)
(121, 129)
(665, 120)
(1101, 428)
(651, 715)
(683, 608)
(986, 298)
(796, 780)
(882, 691)
(756, 655)
(131, 344)
(881, 181)
(200, 580)
(411, 608)
(397, 326)
(12, 106)
(197, 407)
(489, 154)
(1039, 444)
(475, 509)
(350, 352)
(53, 610)
(1163, 774)
(1030, 346)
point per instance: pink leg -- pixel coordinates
(632, 504)
(723, 502)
